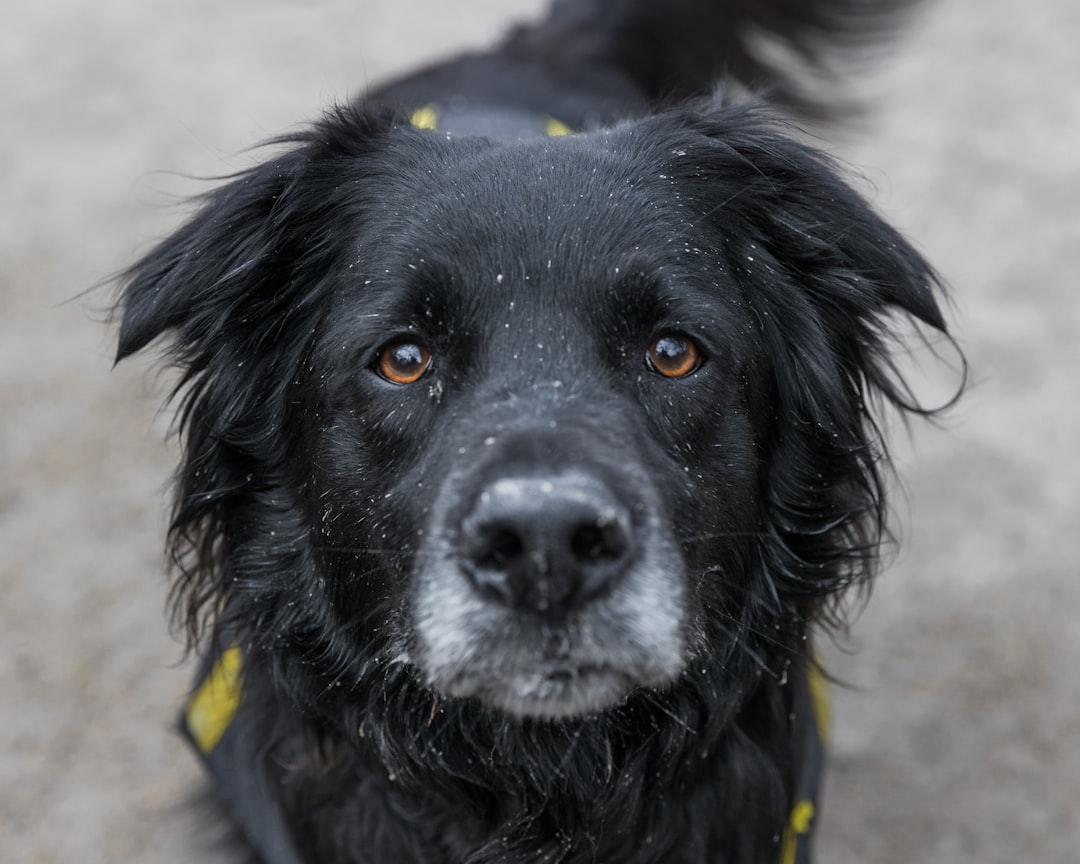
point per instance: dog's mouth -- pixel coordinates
(588, 661)
(549, 692)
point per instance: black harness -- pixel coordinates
(464, 118)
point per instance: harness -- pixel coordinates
(461, 117)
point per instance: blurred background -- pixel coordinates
(956, 739)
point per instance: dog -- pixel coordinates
(529, 420)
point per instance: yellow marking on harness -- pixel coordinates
(214, 704)
(802, 815)
(428, 118)
(424, 118)
(556, 128)
(819, 698)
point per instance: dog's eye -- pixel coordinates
(403, 362)
(674, 355)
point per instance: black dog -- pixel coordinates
(520, 465)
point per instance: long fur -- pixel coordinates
(304, 482)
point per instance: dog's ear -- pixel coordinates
(226, 257)
(251, 246)
(829, 278)
(829, 282)
(235, 295)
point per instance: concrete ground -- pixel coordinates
(958, 739)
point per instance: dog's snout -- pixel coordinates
(548, 544)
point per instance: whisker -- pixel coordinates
(720, 535)
(362, 550)
(651, 697)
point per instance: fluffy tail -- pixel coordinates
(592, 61)
(672, 49)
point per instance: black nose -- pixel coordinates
(547, 543)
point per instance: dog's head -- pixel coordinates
(540, 425)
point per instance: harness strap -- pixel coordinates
(812, 697)
(232, 758)
(461, 117)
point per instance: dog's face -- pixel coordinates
(532, 392)
(545, 424)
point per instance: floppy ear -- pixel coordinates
(251, 248)
(193, 283)
(235, 292)
(827, 275)
(827, 279)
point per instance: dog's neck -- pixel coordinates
(471, 784)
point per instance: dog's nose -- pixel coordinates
(548, 543)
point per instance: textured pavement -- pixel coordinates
(956, 740)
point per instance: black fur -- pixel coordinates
(410, 705)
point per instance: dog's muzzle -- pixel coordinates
(549, 584)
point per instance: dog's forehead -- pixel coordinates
(529, 203)
(558, 220)
(549, 252)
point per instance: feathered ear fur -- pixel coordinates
(237, 262)
(830, 284)
(247, 272)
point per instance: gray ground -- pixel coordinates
(959, 740)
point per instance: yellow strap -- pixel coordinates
(214, 704)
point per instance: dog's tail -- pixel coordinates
(673, 49)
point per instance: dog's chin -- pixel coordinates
(582, 665)
(556, 692)
(581, 669)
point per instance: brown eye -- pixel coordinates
(403, 362)
(674, 355)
